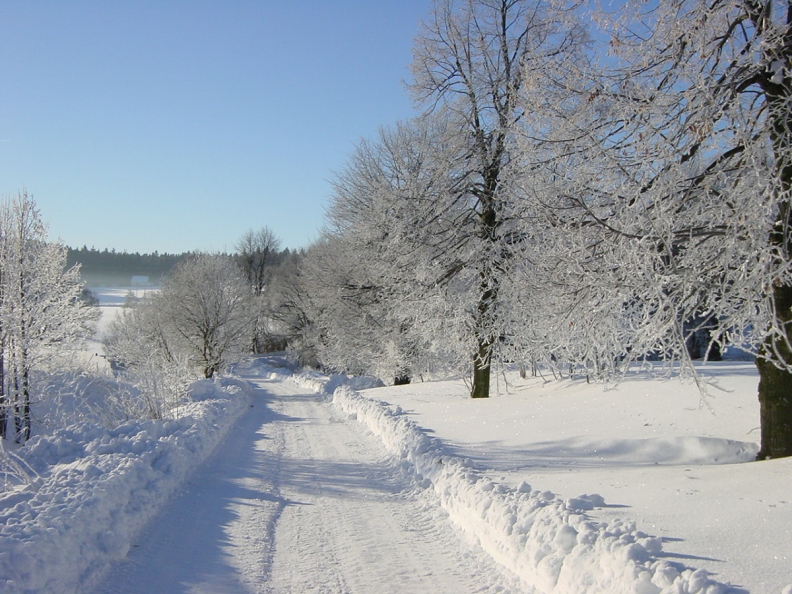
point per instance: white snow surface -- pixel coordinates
(299, 499)
(557, 486)
(683, 509)
(95, 488)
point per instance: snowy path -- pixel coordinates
(298, 500)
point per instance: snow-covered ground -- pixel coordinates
(566, 486)
(111, 303)
(299, 499)
(648, 459)
(93, 489)
(267, 483)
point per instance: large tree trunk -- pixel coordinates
(775, 385)
(482, 362)
(3, 396)
(775, 411)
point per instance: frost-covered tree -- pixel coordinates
(294, 309)
(142, 346)
(360, 327)
(41, 310)
(667, 171)
(469, 61)
(257, 253)
(206, 303)
(428, 207)
(402, 230)
(200, 319)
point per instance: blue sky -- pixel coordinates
(176, 125)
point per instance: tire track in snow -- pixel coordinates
(357, 525)
(216, 535)
(298, 499)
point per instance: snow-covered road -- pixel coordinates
(298, 499)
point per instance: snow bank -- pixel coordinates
(548, 542)
(96, 488)
(318, 382)
(322, 384)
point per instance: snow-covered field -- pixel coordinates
(111, 302)
(570, 486)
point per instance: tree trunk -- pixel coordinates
(17, 406)
(775, 411)
(3, 397)
(481, 369)
(775, 385)
(482, 362)
(488, 287)
(26, 426)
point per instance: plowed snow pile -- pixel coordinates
(95, 488)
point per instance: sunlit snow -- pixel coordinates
(276, 482)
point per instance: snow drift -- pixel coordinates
(95, 488)
(548, 542)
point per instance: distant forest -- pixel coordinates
(112, 268)
(109, 268)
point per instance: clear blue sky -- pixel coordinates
(175, 125)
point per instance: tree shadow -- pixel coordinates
(580, 452)
(193, 544)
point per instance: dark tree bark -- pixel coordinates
(3, 395)
(775, 383)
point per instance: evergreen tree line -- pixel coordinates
(109, 267)
(112, 268)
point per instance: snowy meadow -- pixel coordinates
(664, 477)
